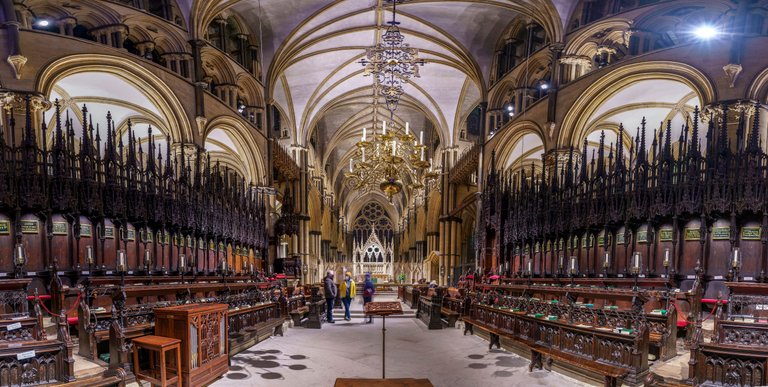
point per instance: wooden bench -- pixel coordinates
(249, 326)
(448, 317)
(543, 357)
(495, 334)
(298, 314)
(612, 355)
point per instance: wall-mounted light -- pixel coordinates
(42, 23)
(706, 32)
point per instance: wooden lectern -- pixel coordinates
(202, 329)
(383, 309)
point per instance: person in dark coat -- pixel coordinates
(329, 288)
(368, 290)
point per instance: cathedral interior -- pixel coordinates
(515, 192)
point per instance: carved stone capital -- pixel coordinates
(714, 111)
(201, 122)
(189, 151)
(577, 60)
(17, 62)
(556, 46)
(601, 49)
(732, 71)
(10, 100)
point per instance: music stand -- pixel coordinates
(383, 309)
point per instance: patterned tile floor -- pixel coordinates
(306, 357)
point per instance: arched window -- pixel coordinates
(525, 40)
(216, 33)
(82, 32)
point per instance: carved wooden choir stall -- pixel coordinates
(107, 228)
(601, 258)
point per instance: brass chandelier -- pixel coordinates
(387, 158)
(390, 155)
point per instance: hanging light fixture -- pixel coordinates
(389, 157)
(392, 62)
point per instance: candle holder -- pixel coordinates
(193, 264)
(121, 265)
(121, 261)
(735, 264)
(19, 259)
(148, 261)
(573, 271)
(223, 270)
(89, 256)
(182, 266)
(636, 259)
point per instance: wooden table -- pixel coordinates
(160, 345)
(406, 382)
(383, 309)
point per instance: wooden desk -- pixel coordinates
(202, 329)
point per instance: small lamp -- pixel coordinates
(636, 258)
(121, 261)
(147, 258)
(182, 263)
(89, 255)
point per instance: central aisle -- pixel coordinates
(308, 357)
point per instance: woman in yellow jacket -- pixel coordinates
(347, 290)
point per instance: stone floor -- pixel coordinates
(306, 357)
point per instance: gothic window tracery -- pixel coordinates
(373, 241)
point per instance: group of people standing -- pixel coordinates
(347, 292)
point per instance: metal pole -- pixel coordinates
(383, 345)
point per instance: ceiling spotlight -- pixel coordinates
(544, 86)
(510, 108)
(706, 32)
(43, 23)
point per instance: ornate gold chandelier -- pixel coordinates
(392, 62)
(389, 158)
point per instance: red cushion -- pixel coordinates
(72, 320)
(42, 297)
(713, 301)
(682, 323)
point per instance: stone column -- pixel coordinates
(145, 49)
(223, 36)
(67, 25)
(197, 75)
(575, 67)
